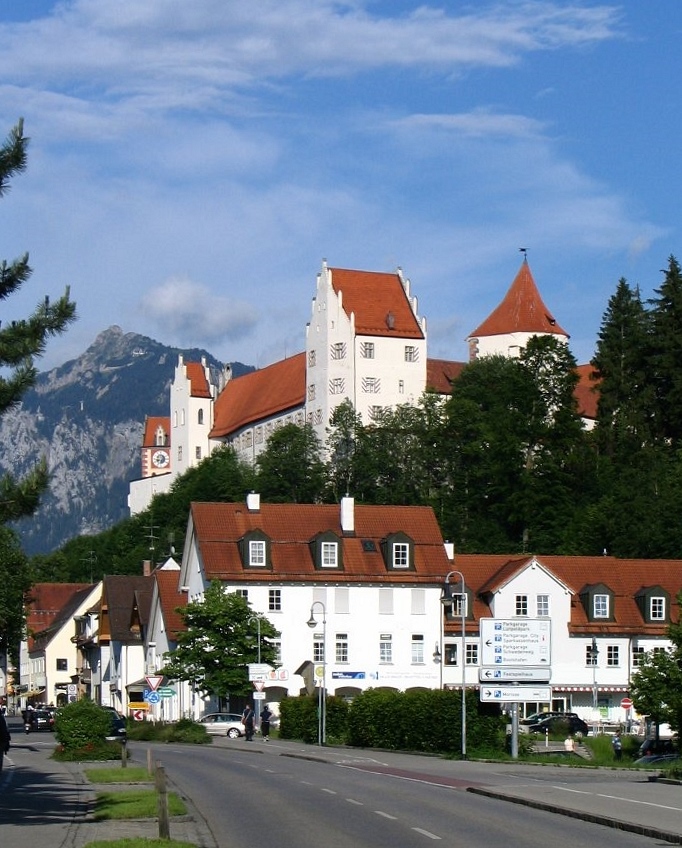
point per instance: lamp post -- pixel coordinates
(256, 618)
(448, 598)
(322, 690)
(594, 655)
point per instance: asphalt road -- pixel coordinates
(284, 793)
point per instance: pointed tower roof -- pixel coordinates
(521, 311)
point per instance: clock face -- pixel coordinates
(160, 459)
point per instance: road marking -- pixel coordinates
(426, 833)
(328, 791)
(386, 815)
(618, 798)
(353, 801)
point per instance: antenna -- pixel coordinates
(92, 559)
(152, 538)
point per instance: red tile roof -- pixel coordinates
(218, 527)
(44, 602)
(372, 296)
(151, 425)
(586, 392)
(485, 574)
(199, 387)
(170, 598)
(440, 374)
(522, 311)
(260, 394)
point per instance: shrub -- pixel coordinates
(81, 725)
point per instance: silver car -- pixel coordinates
(223, 724)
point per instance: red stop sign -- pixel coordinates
(626, 703)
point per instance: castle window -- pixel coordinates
(338, 350)
(371, 385)
(337, 386)
(312, 358)
(411, 353)
(200, 416)
(367, 350)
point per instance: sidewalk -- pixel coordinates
(43, 802)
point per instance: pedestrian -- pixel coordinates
(248, 720)
(4, 738)
(265, 717)
(617, 744)
(569, 744)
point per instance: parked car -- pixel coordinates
(560, 723)
(534, 718)
(658, 747)
(658, 760)
(39, 720)
(223, 724)
(119, 725)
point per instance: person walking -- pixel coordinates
(4, 738)
(265, 717)
(248, 720)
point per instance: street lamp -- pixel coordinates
(322, 690)
(594, 655)
(458, 602)
(256, 618)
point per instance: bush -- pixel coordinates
(82, 725)
(184, 730)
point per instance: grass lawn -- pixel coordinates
(135, 804)
(136, 774)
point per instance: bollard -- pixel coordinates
(162, 802)
(150, 764)
(124, 753)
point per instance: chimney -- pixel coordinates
(146, 567)
(348, 515)
(253, 502)
(450, 551)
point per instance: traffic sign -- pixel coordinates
(516, 694)
(259, 685)
(165, 691)
(626, 703)
(259, 671)
(259, 696)
(522, 675)
(152, 698)
(154, 681)
(515, 642)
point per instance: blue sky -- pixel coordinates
(192, 163)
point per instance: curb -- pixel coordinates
(641, 830)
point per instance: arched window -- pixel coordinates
(200, 417)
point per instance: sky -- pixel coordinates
(192, 164)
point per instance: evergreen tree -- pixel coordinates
(290, 469)
(625, 392)
(666, 354)
(21, 341)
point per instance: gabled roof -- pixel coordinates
(218, 528)
(151, 425)
(44, 602)
(65, 615)
(485, 574)
(372, 296)
(522, 311)
(170, 598)
(121, 595)
(196, 375)
(260, 395)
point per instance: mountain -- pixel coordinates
(87, 418)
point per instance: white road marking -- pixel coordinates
(426, 833)
(328, 791)
(386, 815)
(618, 798)
(353, 801)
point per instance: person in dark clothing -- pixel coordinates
(248, 720)
(265, 717)
(4, 738)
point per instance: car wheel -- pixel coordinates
(233, 733)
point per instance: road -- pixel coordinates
(257, 794)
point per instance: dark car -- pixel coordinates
(39, 720)
(119, 725)
(561, 723)
(534, 718)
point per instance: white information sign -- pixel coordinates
(515, 642)
(516, 694)
(499, 674)
(259, 671)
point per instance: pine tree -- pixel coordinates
(21, 341)
(666, 353)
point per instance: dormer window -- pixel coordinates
(326, 551)
(254, 548)
(598, 602)
(654, 604)
(398, 551)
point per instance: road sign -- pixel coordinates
(259, 685)
(165, 691)
(515, 642)
(521, 675)
(154, 681)
(152, 698)
(259, 671)
(516, 694)
(626, 703)
(259, 696)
